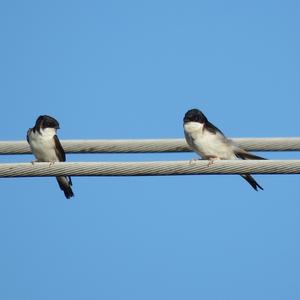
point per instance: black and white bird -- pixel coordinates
(46, 147)
(210, 143)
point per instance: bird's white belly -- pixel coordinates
(43, 147)
(209, 145)
(206, 143)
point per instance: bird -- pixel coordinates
(46, 147)
(210, 143)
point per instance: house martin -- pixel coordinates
(46, 147)
(210, 143)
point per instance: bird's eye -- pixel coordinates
(50, 124)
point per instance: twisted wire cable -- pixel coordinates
(151, 145)
(154, 168)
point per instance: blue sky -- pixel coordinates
(131, 69)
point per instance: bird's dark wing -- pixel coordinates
(27, 135)
(212, 128)
(60, 152)
(242, 154)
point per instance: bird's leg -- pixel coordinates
(211, 160)
(193, 161)
(51, 163)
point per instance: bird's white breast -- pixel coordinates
(207, 143)
(42, 144)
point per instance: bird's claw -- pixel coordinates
(193, 161)
(211, 161)
(51, 163)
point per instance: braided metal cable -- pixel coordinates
(151, 145)
(150, 168)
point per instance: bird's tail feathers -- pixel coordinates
(65, 184)
(251, 181)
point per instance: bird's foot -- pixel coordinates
(193, 161)
(34, 161)
(51, 163)
(211, 161)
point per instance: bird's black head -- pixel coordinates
(194, 115)
(46, 122)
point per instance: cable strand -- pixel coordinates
(154, 168)
(151, 145)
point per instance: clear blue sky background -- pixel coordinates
(131, 69)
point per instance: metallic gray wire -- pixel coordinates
(150, 168)
(151, 145)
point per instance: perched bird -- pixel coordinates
(46, 147)
(210, 143)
